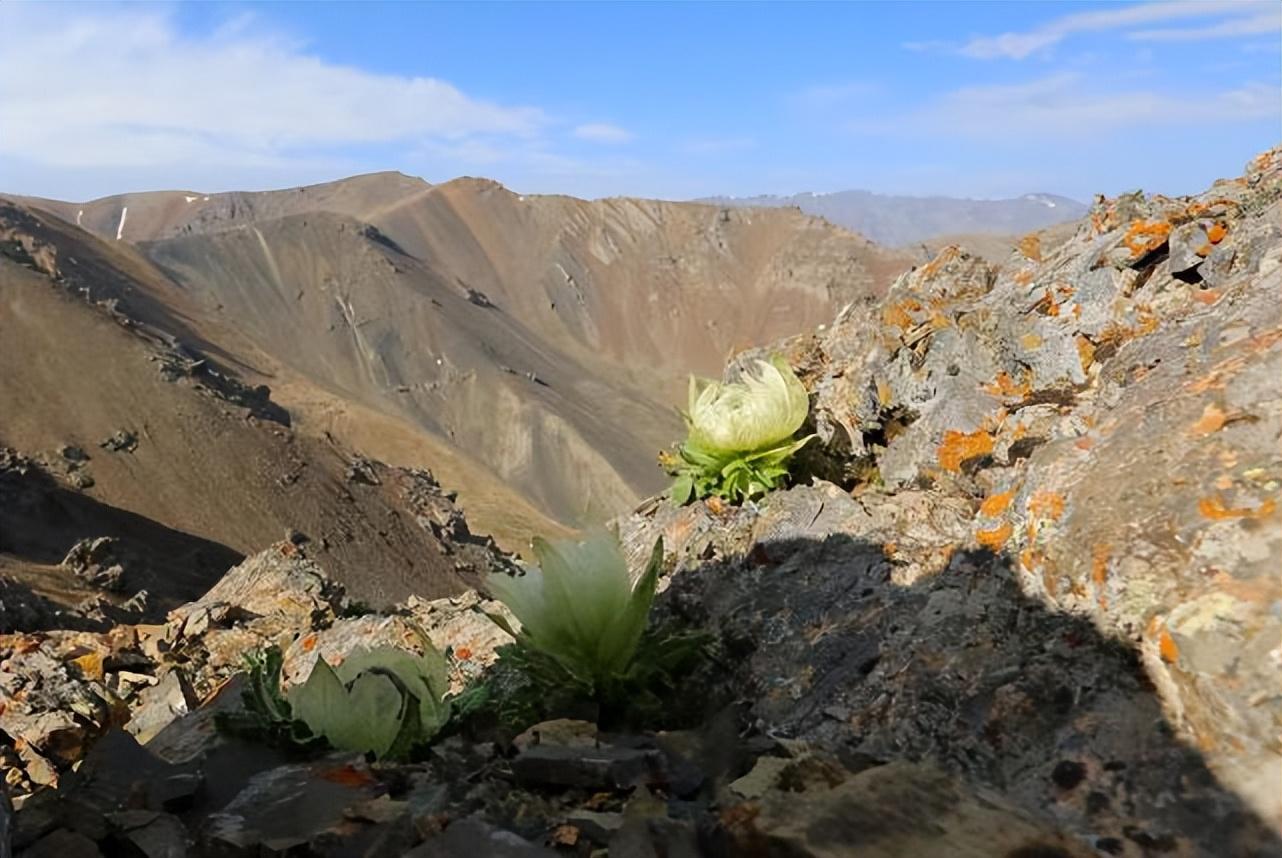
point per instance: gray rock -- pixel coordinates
(160, 705)
(900, 809)
(122, 440)
(597, 827)
(59, 844)
(593, 768)
(149, 834)
(656, 838)
(474, 837)
(98, 562)
(291, 805)
(72, 453)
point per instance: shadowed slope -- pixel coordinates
(198, 460)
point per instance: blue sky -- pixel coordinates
(667, 100)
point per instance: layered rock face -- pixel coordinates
(1025, 603)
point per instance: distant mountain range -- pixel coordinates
(896, 220)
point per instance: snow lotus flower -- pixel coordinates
(580, 606)
(383, 700)
(740, 434)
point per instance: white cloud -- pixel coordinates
(1064, 106)
(1020, 45)
(601, 132)
(120, 86)
(1269, 22)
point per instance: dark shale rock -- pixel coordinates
(602, 767)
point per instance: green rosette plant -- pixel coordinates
(384, 701)
(580, 607)
(740, 434)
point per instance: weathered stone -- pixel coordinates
(763, 777)
(159, 705)
(97, 561)
(597, 827)
(72, 453)
(475, 837)
(278, 582)
(565, 732)
(122, 440)
(59, 844)
(294, 804)
(149, 834)
(656, 838)
(900, 809)
(594, 768)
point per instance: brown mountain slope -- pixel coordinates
(209, 468)
(545, 337)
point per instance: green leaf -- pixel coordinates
(372, 717)
(315, 699)
(682, 489)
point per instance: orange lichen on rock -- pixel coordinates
(1231, 366)
(884, 393)
(1024, 277)
(1047, 504)
(996, 537)
(1166, 647)
(1007, 386)
(1030, 559)
(959, 447)
(1212, 420)
(1047, 305)
(1213, 507)
(896, 317)
(995, 505)
(1148, 321)
(1144, 237)
(348, 776)
(1099, 563)
(90, 665)
(1206, 296)
(1031, 246)
(1085, 352)
(1216, 233)
(945, 256)
(1031, 341)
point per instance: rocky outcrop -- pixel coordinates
(1050, 467)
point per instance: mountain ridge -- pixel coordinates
(542, 340)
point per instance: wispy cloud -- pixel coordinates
(1267, 22)
(121, 87)
(1064, 106)
(1230, 16)
(601, 132)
